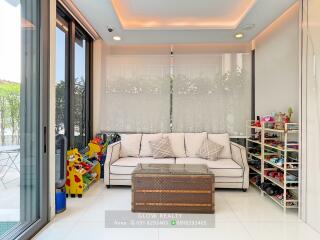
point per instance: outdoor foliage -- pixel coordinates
(60, 107)
(78, 108)
(9, 111)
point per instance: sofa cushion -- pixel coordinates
(193, 143)
(224, 140)
(130, 145)
(161, 148)
(145, 150)
(177, 143)
(128, 164)
(221, 167)
(209, 150)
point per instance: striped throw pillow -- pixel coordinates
(209, 150)
(161, 148)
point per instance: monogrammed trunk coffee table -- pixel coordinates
(173, 188)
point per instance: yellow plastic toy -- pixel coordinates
(77, 181)
(94, 149)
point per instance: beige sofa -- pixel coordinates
(231, 169)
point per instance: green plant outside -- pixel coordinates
(9, 111)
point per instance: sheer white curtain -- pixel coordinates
(211, 92)
(137, 93)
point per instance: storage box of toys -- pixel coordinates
(82, 171)
(86, 166)
(100, 144)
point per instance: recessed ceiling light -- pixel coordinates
(238, 35)
(116, 38)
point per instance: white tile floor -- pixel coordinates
(10, 197)
(239, 216)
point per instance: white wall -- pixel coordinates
(277, 66)
(98, 70)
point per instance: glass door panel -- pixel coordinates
(61, 76)
(79, 97)
(72, 82)
(23, 178)
(10, 84)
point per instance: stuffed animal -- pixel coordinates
(280, 120)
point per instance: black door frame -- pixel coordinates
(73, 26)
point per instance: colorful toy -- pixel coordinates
(96, 148)
(267, 118)
(80, 173)
(282, 118)
(290, 112)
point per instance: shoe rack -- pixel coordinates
(273, 153)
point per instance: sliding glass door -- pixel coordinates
(81, 64)
(73, 51)
(62, 37)
(24, 29)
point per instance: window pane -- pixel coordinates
(10, 83)
(61, 87)
(20, 161)
(79, 108)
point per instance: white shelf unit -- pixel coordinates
(265, 142)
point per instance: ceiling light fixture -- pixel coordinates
(238, 35)
(116, 38)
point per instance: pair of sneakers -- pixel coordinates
(292, 178)
(277, 161)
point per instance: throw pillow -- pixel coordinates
(209, 150)
(161, 148)
(224, 140)
(193, 142)
(130, 145)
(145, 150)
(177, 144)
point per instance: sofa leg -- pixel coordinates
(244, 189)
(108, 186)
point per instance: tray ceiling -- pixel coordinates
(181, 21)
(181, 14)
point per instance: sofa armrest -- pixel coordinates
(113, 153)
(239, 155)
